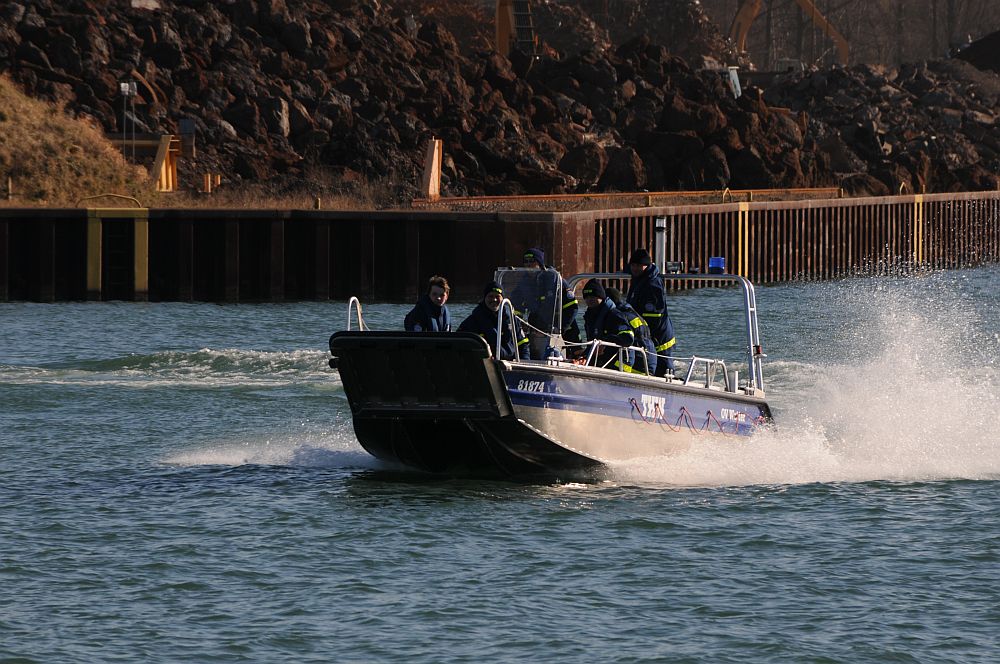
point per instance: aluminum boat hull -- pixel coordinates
(439, 402)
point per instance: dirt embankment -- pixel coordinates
(298, 95)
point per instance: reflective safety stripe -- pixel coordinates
(626, 368)
(637, 323)
(652, 315)
(522, 341)
(570, 303)
(667, 345)
(628, 332)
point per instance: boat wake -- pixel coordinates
(337, 449)
(906, 388)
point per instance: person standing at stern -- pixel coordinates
(645, 294)
(534, 258)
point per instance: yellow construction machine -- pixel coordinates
(750, 9)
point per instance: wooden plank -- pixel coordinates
(140, 256)
(94, 265)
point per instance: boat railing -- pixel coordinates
(701, 371)
(506, 304)
(620, 357)
(354, 305)
(709, 370)
(754, 352)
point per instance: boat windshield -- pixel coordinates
(536, 296)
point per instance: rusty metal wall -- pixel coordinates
(273, 255)
(771, 242)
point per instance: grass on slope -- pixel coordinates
(56, 160)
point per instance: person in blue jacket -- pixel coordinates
(430, 314)
(645, 294)
(483, 321)
(603, 321)
(535, 258)
(641, 329)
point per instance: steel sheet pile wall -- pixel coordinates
(785, 241)
(274, 255)
(960, 230)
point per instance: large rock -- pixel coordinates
(586, 163)
(359, 87)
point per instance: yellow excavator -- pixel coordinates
(750, 9)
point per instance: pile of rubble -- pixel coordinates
(926, 127)
(598, 25)
(293, 95)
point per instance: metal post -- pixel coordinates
(660, 242)
(124, 89)
(128, 89)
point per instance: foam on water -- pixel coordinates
(205, 367)
(331, 449)
(906, 389)
(876, 379)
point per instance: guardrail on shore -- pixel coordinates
(620, 200)
(273, 255)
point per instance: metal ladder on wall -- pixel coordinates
(524, 27)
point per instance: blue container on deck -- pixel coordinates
(717, 265)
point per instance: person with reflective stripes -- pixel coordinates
(603, 321)
(535, 257)
(483, 321)
(430, 313)
(640, 328)
(645, 294)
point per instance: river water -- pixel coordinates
(180, 482)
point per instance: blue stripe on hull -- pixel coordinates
(712, 412)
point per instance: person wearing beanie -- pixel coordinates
(594, 290)
(430, 314)
(602, 321)
(644, 363)
(640, 257)
(483, 321)
(646, 296)
(534, 258)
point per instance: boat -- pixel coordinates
(444, 402)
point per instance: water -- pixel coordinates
(181, 483)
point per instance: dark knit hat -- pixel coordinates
(536, 255)
(640, 257)
(593, 288)
(614, 295)
(492, 287)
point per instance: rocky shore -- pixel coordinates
(293, 96)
